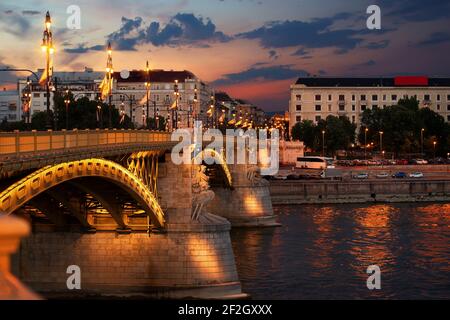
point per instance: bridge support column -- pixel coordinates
(248, 204)
(189, 259)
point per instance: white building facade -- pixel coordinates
(316, 98)
(9, 106)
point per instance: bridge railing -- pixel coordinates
(33, 142)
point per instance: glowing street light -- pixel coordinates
(67, 102)
(381, 141)
(365, 143)
(323, 143)
(421, 140)
(147, 89)
(434, 149)
(48, 49)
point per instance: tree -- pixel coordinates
(304, 131)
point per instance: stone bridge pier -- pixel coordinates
(191, 256)
(248, 202)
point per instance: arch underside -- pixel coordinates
(219, 172)
(87, 189)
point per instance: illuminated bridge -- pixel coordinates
(113, 203)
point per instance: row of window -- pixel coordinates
(374, 97)
(318, 107)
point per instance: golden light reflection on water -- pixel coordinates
(370, 245)
(323, 245)
(434, 215)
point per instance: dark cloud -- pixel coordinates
(314, 34)
(182, 29)
(435, 38)
(301, 52)
(377, 45)
(30, 12)
(14, 23)
(273, 55)
(415, 10)
(281, 72)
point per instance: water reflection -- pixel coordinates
(323, 252)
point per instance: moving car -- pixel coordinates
(382, 175)
(362, 176)
(399, 175)
(416, 175)
(421, 161)
(314, 163)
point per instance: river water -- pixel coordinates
(322, 252)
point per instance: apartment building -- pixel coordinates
(317, 98)
(9, 106)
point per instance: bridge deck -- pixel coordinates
(35, 149)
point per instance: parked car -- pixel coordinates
(382, 175)
(292, 177)
(399, 175)
(402, 162)
(416, 175)
(362, 176)
(421, 161)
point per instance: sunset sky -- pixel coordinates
(253, 49)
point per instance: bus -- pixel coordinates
(319, 163)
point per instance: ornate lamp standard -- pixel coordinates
(67, 102)
(47, 47)
(323, 143)
(147, 88)
(26, 101)
(365, 143)
(381, 142)
(176, 93)
(421, 140)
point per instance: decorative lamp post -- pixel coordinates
(67, 102)
(47, 47)
(421, 140)
(323, 143)
(147, 89)
(381, 141)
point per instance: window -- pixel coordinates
(341, 97)
(318, 97)
(299, 107)
(426, 97)
(299, 97)
(384, 97)
(353, 107)
(448, 97)
(438, 107)
(448, 107)
(374, 106)
(329, 107)
(298, 118)
(330, 97)
(353, 97)
(363, 97)
(394, 97)
(353, 119)
(341, 107)
(448, 118)
(318, 107)
(363, 107)
(438, 98)
(318, 118)
(374, 97)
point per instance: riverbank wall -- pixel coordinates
(328, 192)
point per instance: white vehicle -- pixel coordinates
(319, 163)
(382, 175)
(416, 175)
(421, 161)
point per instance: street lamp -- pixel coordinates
(365, 143)
(67, 102)
(47, 47)
(147, 88)
(434, 149)
(421, 141)
(175, 110)
(323, 143)
(381, 141)
(109, 76)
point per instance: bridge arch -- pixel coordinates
(212, 154)
(50, 176)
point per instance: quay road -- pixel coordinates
(431, 172)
